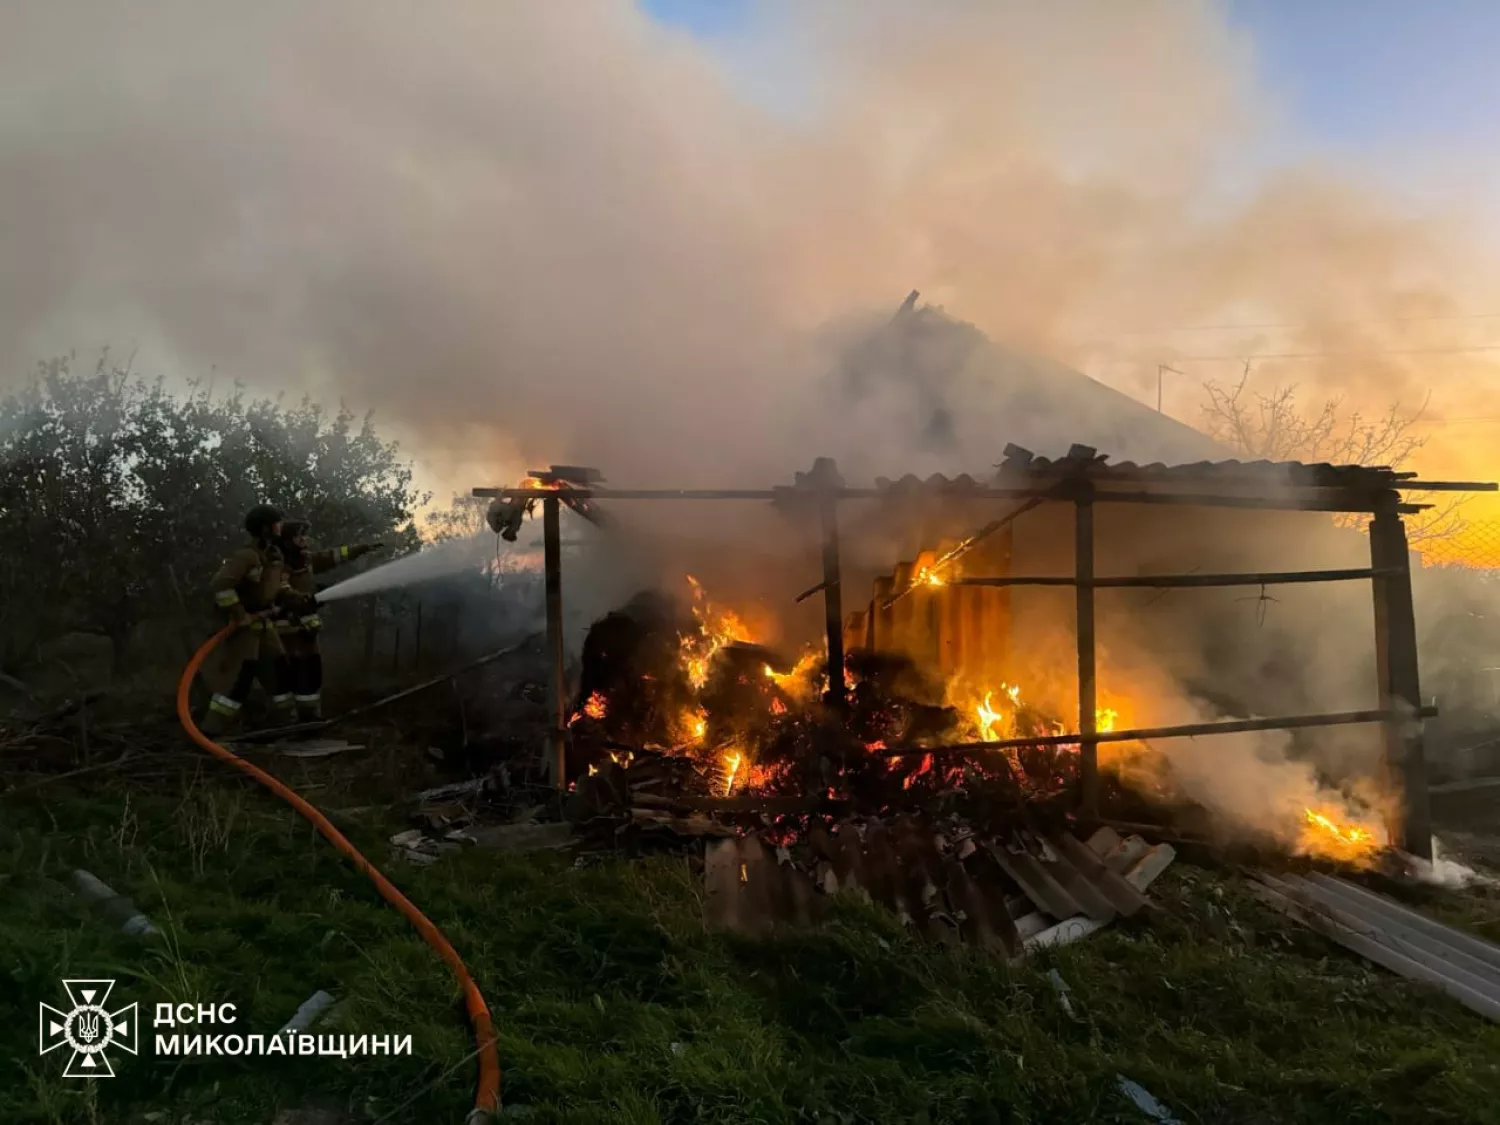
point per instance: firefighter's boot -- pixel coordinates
(222, 717)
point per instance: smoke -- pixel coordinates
(547, 232)
(559, 232)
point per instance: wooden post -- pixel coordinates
(552, 565)
(833, 602)
(884, 617)
(1088, 747)
(1399, 683)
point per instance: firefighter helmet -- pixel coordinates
(261, 519)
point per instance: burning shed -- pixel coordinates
(916, 687)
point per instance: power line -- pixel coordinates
(1303, 324)
(1334, 355)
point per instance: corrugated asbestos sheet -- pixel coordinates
(1381, 930)
(1022, 468)
(1086, 462)
(1017, 894)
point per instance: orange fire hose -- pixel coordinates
(487, 1097)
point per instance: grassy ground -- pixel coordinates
(613, 1005)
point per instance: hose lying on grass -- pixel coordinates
(487, 1096)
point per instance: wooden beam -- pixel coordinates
(1187, 581)
(1399, 683)
(833, 601)
(1142, 734)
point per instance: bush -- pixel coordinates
(119, 498)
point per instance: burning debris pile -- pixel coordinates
(681, 712)
(662, 684)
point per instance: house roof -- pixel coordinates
(966, 389)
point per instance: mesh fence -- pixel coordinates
(1476, 545)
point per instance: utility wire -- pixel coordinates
(1295, 324)
(1327, 355)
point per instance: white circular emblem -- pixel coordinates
(89, 1029)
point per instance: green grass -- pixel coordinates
(613, 1004)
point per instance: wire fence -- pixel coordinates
(1475, 546)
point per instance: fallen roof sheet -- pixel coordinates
(1017, 894)
(1393, 936)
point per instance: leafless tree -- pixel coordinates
(1273, 426)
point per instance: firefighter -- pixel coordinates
(249, 588)
(299, 629)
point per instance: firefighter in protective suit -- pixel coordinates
(250, 588)
(299, 628)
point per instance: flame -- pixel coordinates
(928, 576)
(778, 707)
(732, 761)
(1327, 831)
(990, 721)
(594, 707)
(798, 683)
(717, 627)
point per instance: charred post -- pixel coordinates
(1399, 683)
(1088, 745)
(884, 616)
(558, 688)
(826, 479)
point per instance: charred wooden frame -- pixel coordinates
(1376, 492)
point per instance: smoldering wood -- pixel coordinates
(1186, 730)
(1187, 581)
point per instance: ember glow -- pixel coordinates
(731, 764)
(595, 707)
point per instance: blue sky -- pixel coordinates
(1363, 76)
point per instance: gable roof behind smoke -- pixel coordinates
(968, 390)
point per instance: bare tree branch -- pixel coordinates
(1272, 426)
